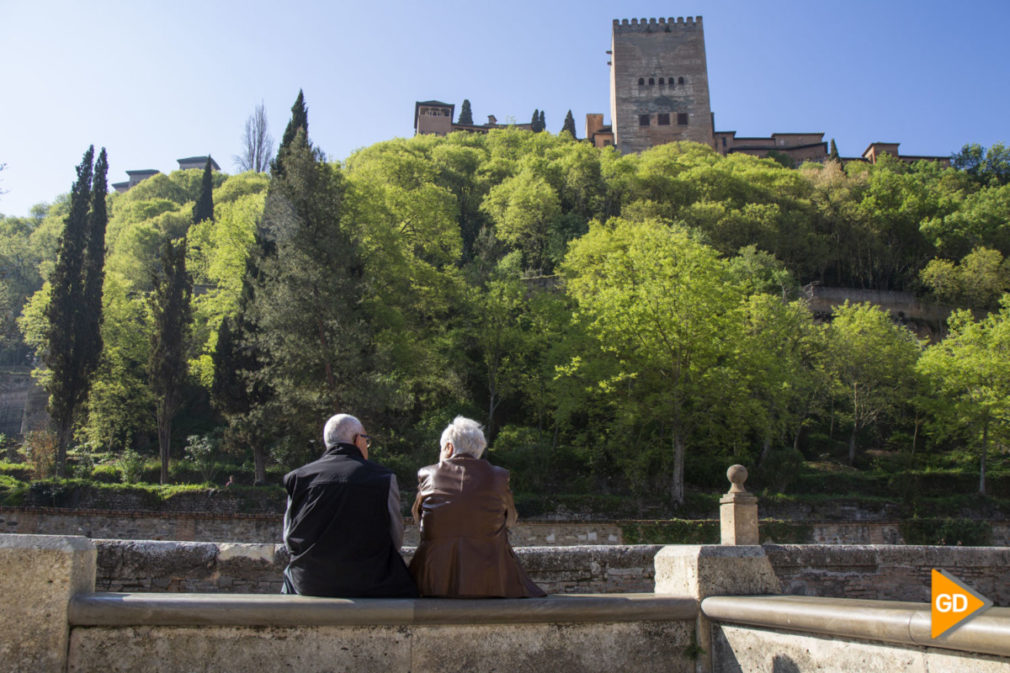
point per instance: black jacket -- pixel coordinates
(337, 529)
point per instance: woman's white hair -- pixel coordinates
(341, 429)
(466, 435)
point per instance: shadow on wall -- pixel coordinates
(783, 664)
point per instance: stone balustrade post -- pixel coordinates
(39, 574)
(738, 510)
(737, 567)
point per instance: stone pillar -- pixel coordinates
(39, 574)
(734, 568)
(738, 510)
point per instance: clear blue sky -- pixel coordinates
(155, 81)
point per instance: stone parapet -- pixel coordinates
(835, 634)
(39, 574)
(182, 633)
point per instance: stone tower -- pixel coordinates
(659, 83)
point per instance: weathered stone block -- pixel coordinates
(38, 576)
(709, 570)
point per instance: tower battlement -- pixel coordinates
(656, 25)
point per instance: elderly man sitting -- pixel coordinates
(464, 508)
(343, 526)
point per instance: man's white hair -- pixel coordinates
(466, 435)
(341, 429)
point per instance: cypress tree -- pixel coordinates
(167, 366)
(535, 122)
(299, 120)
(94, 267)
(203, 209)
(542, 126)
(74, 312)
(569, 124)
(833, 154)
(465, 115)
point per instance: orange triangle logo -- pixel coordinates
(953, 603)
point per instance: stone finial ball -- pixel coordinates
(737, 475)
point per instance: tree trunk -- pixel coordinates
(164, 439)
(260, 463)
(981, 465)
(766, 447)
(64, 433)
(852, 444)
(677, 484)
(331, 380)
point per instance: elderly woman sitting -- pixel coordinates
(464, 508)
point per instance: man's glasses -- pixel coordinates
(368, 440)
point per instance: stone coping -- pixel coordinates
(898, 622)
(163, 609)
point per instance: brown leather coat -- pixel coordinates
(464, 508)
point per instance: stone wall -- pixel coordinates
(266, 528)
(208, 567)
(899, 573)
(841, 571)
(251, 528)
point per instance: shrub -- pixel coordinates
(201, 450)
(131, 466)
(107, 474)
(41, 448)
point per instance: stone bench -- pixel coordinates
(171, 633)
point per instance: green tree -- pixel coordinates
(871, 360)
(542, 122)
(307, 302)
(465, 114)
(203, 209)
(569, 124)
(535, 122)
(663, 309)
(833, 152)
(168, 364)
(977, 281)
(970, 382)
(72, 341)
(299, 121)
(987, 167)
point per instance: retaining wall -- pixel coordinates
(874, 572)
(139, 524)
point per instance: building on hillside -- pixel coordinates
(876, 150)
(799, 147)
(659, 93)
(135, 177)
(197, 162)
(435, 117)
(658, 83)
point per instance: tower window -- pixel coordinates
(641, 81)
(663, 119)
(651, 81)
(681, 119)
(643, 120)
(661, 81)
(671, 81)
(680, 80)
